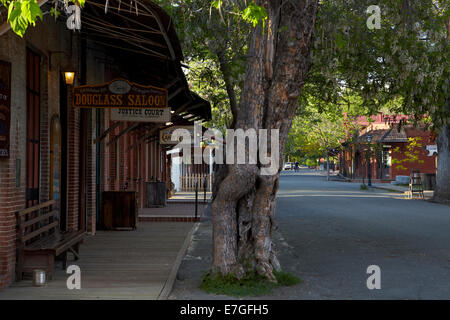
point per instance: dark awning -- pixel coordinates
(140, 37)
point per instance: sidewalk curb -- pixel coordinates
(168, 286)
(388, 189)
(405, 193)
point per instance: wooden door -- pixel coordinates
(119, 210)
(33, 136)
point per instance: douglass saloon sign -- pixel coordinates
(128, 101)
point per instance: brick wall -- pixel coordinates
(44, 156)
(12, 199)
(73, 165)
(91, 175)
(429, 165)
(12, 192)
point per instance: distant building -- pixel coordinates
(387, 134)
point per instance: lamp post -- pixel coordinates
(369, 169)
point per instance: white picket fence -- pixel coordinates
(187, 182)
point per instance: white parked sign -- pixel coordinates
(432, 150)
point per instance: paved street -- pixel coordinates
(330, 232)
(335, 231)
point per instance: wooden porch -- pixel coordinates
(116, 265)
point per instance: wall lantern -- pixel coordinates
(369, 138)
(69, 77)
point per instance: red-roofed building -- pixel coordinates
(390, 137)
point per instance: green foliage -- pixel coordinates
(54, 13)
(319, 126)
(250, 285)
(405, 61)
(217, 4)
(364, 187)
(255, 14)
(311, 162)
(411, 154)
(214, 36)
(286, 279)
(401, 68)
(206, 80)
(23, 13)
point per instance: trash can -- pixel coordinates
(428, 181)
(156, 194)
(119, 211)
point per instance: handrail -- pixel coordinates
(36, 208)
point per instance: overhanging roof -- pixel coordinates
(141, 38)
(384, 136)
(137, 25)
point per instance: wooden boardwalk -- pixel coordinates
(189, 196)
(174, 210)
(116, 265)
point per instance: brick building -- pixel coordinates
(389, 141)
(58, 151)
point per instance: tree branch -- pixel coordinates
(224, 69)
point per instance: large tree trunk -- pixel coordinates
(243, 205)
(442, 192)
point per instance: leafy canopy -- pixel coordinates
(23, 13)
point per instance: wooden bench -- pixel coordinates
(40, 242)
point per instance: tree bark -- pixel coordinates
(442, 192)
(243, 205)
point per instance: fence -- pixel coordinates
(188, 182)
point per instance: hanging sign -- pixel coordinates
(165, 135)
(5, 107)
(432, 150)
(119, 94)
(141, 115)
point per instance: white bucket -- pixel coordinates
(39, 278)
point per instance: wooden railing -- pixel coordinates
(188, 182)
